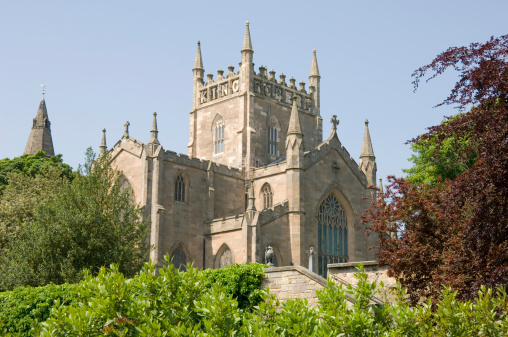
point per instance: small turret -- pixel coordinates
(40, 135)
(198, 61)
(367, 159)
(154, 132)
(197, 72)
(103, 146)
(247, 65)
(294, 140)
(247, 44)
(314, 81)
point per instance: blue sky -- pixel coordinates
(107, 62)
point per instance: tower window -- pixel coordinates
(272, 141)
(273, 128)
(180, 188)
(267, 196)
(219, 138)
(332, 234)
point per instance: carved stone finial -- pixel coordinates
(126, 132)
(334, 122)
(103, 146)
(366, 122)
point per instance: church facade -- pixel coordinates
(257, 177)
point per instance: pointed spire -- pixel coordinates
(42, 112)
(154, 132)
(294, 120)
(367, 150)
(198, 62)
(247, 44)
(314, 69)
(103, 146)
(40, 135)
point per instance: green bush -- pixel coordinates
(196, 303)
(241, 281)
(23, 307)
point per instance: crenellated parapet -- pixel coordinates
(281, 92)
(269, 214)
(222, 87)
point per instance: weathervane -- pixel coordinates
(43, 88)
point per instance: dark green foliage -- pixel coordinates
(31, 165)
(23, 307)
(170, 301)
(87, 223)
(175, 303)
(241, 281)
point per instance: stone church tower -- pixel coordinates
(40, 135)
(257, 176)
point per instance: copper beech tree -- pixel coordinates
(455, 232)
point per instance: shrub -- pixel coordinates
(241, 281)
(23, 307)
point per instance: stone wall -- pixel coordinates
(344, 273)
(293, 282)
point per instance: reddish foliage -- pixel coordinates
(457, 232)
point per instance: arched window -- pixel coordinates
(180, 188)
(267, 196)
(218, 139)
(273, 134)
(179, 259)
(332, 234)
(226, 259)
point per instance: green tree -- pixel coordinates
(436, 160)
(21, 198)
(87, 223)
(31, 165)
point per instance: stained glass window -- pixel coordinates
(332, 234)
(272, 141)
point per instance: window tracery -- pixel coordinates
(180, 188)
(273, 136)
(226, 258)
(267, 196)
(219, 137)
(332, 234)
(179, 259)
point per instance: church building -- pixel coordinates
(257, 176)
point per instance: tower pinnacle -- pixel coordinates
(314, 69)
(367, 150)
(103, 146)
(154, 131)
(294, 121)
(40, 135)
(247, 44)
(198, 62)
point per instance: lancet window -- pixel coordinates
(273, 134)
(179, 259)
(332, 234)
(226, 258)
(219, 137)
(267, 196)
(180, 188)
